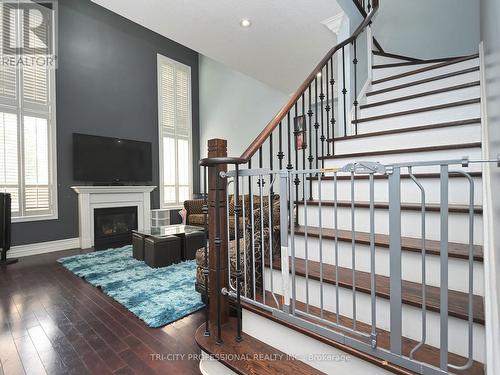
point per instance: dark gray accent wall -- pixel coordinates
(106, 84)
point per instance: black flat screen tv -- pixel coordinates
(104, 160)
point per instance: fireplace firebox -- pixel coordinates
(113, 226)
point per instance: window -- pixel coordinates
(174, 106)
(27, 126)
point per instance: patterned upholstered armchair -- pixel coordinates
(250, 251)
(194, 211)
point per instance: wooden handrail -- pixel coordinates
(264, 134)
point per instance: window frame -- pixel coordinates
(21, 109)
(163, 60)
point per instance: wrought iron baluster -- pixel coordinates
(289, 134)
(355, 63)
(261, 164)
(322, 115)
(252, 240)
(309, 114)
(271, 158)
(327, 110)
(296, 181)
(304, 148)
(344, 91)
(280, 141)
(333, 121)
(316, 123)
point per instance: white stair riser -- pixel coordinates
(456, 113)
(210, 366)
(411, 316)
(458, 223)
(472, 153)
(423, 102)
(379, 60)
(301, 346)
(427, 74)
(392, 71)
(422, 138)
(411, 263)
(423, 87)
(458, 191)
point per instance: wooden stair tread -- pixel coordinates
(418, 110)
(422, 81)
(429, 207)
(422, 94)
(427, 353)
(260, 358)
(426, 69)
(408, 130)
(403, 176)
(411, 291)
(395, 56)
(455, 250)
(402, 151)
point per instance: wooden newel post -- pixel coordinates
(218, 274)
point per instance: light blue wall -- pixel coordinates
(428, 28)
(233, 106)
(490, 35)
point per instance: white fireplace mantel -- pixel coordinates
(94, 197)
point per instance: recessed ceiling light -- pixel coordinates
(245, 22)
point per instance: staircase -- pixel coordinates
(329, 299)
(438, 104)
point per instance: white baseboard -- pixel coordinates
(43, 247)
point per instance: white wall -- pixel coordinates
(233, 106)
(490, 35)
(428, 28)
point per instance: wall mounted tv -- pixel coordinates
(103, 160)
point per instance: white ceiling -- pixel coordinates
(283, 45)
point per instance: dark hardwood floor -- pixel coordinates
(53, 322)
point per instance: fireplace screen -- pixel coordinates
(113, 226)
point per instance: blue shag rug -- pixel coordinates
(158, 296)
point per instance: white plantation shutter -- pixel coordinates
(35, 76)
(27, 126)
(36, 163)
(174, 95)
(8, 75)
(9, 181)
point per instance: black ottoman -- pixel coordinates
(137, 246)
(193, 241)
(162, 251)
